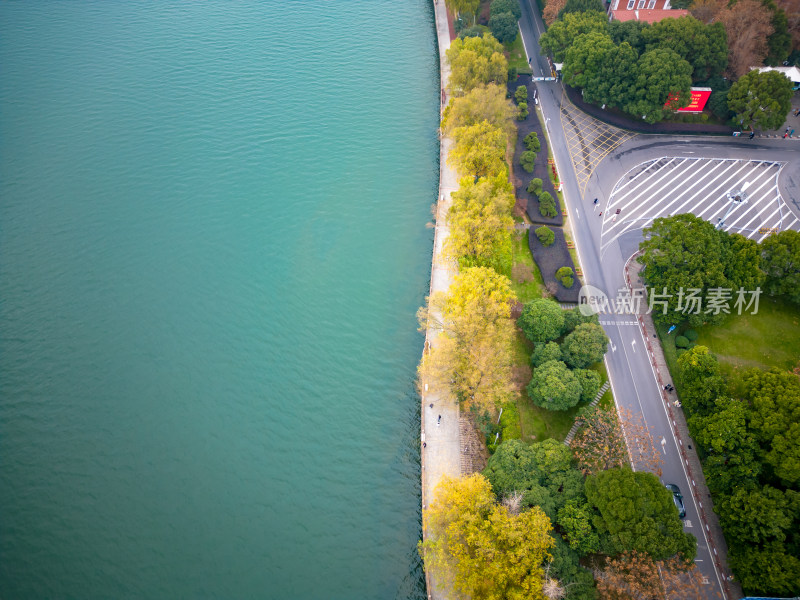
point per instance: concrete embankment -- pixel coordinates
(439, 433)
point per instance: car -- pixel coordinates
(677, 498)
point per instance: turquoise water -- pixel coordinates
(212, 247)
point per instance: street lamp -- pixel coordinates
(737, 197)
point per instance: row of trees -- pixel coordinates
(746, 429)
(685, 252)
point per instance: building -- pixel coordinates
(649, 11)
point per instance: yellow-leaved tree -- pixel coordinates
(480, 547)
(483, 103)
(471, 359)
(476, 61)
(479, 150)
(480, 224)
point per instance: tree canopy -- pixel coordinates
(482, 103)
(700, 379)
(479, 150)
(498, 7)
(586, 345)
(634, 511)
(554, 387)
(490, 552)
(662, 75)
(560, 35)
(476, 61)
(780, 259)
(705, 47)
(541, 320)
(761, 100)
(504, 27)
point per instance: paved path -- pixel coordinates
(439, 434)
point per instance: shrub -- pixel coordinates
(523, 111)
(565, 276)
(545, 235)
(680, 351)
(531, 142)
(681, 342)
(535, 186)
(691, 335)
(547, 206)
(527, 159)
(512, 73)
(590, 383)
(544, 353)
(521, 95)
(473, 31)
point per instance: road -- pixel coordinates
(606, 241)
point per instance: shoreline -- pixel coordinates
(441, 443)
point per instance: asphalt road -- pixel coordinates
(605, 244)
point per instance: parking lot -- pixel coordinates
(703, 187)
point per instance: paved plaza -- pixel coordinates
(672, 185)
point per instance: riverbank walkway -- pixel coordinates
(439, 434)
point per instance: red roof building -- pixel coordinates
(650, 11)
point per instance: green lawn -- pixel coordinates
(770, 338)
(526, 279)
(516, 56)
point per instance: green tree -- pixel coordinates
(523, 111)
(705, 47)
(483, 103)
(630, 32)
(535, 186)
(498, 7)
(465, 526)
(780, 41)
(554, 387)
(480, 223)
(545, 235)
(683, 253)
(476, 61)
(701, 381)
(565, 275)
(634, 511)
(766, 571)
(742, 262)
(527, 159)
(576, 522)
(544, 353)
(547, 205)
(756, 516)
(614, 82)
(479, 150)
(584, 346)
(521, 95)
(780, 259)
(590, 383)
(586, 57)
(541, 320)
(662, 76)
(574, 317)
(468, 7)
(761, 100)
(580, 6)
(504, 27)
(560, 35)
(533, 144)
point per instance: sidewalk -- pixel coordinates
(710, 522)
(439, 428)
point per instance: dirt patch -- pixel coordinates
(521, 376)
(522, 273)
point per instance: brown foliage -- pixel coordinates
(706, 11)
(748, 24)
(551, 10)
(792, 10)
(636, 576)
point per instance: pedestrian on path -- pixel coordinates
(791, 133)
(752, 134)
(797, 112)
(601, 214)
(596, 200)
(439, 422)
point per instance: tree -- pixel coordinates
(792, 10)
(533, 144)
(614, 82)
(706, 11)
(630, 32)
(523, 111)
(767, 571)
(541, 320)
(636, 576)
(504, 27)
(471, 359)
(535, 186)
(559, 37)
(483, 103)
(565, 275)
(761, 100)
(498, 7)
(521, 95)
(547, 205)
(590, 383)
(599, 444)
(634, 511)
(544, 353)
(554, 387)
(680, 254)
(780, 259)
(480, 223)
(580, 6)
(476, 61)
(742, 262)
(779, 44)
(700, 379)
(479, 150)
(585, 57)
(584, 346)
(748, 24)
(756, 516)
(527, 159)
(465, 526)
(574, 317)
(705, 47)
(463, 6)
(551, 10)
(662, 76)
(575, 519)
(545, 235)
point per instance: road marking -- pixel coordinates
(633, 345)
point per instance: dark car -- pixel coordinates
(677, 498)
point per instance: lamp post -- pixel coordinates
(737, 197)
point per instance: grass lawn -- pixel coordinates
(516, 56)
(770, 338)
(526, 279)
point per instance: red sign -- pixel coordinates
(699, 97)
